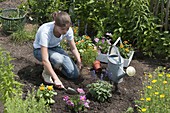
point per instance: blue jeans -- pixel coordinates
(59, 58)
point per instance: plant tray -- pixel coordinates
(102, 58)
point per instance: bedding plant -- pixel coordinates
(125, 48)
(102, 43)
(78, 102)
(46, 92)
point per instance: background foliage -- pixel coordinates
(139, 21)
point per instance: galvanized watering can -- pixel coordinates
(115, 66)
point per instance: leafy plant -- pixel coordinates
(155, 93)
(46, 92)
(24, 35)
(100, 90)
(9, 87)
(28, 105)
(125, 48)
(77, 102)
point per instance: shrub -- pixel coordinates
(29, 105)
(9, 87)
(100, 90)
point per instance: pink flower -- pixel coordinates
(83, 98)
(86, 104)
(80, 90)
(66, 98)
(96, 40)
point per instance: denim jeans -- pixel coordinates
(59, 58)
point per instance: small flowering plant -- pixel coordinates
(77, 102)
(102, 43)
(87, 49)
(124, 49)
(46, 92)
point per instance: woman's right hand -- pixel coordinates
(58, 84)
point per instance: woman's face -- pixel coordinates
(62, 30)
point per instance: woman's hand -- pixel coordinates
(80, 65)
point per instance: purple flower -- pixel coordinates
(83, 98)
(66, 98)
(96, 40)
(70, 103)
(80, 90)
(103, 40)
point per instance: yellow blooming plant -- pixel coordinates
(125, 48)
(156, 92)
(46, 92)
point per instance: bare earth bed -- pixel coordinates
(28, 71)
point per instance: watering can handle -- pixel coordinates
(117, 51)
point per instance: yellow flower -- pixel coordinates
(143, 109)
(42, 88)
(150, 76)
(125, 42)
(148, 99)
(168, 75)
(50, 87)
(149, 87)
(127, 50)
(162, 96)
(82, 40)
(87, 37)
(153, 81)
(121, 46)
(142, 99)
(160, 75)
(165, 82)
(156, 93)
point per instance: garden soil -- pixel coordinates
(29, 70)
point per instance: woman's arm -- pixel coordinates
(75, 53)
(47, 65)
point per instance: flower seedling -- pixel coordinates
(46, 92)
(77, 102)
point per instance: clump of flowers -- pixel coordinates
(46, 92)
(77, 102)
(102, 43)
(87, 49)
(125, 48)
(154, 97)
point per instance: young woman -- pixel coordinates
(47, 49)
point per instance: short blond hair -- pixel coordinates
(62, 19)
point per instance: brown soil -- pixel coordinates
(28, 71)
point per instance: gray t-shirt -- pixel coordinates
(45, 37)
